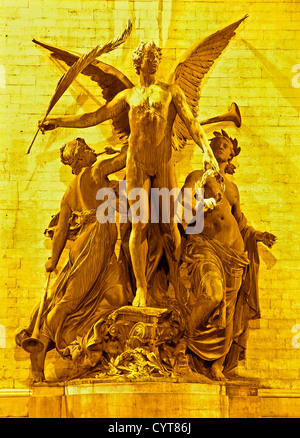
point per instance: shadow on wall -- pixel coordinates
(280, 81)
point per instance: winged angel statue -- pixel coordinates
(150, 119)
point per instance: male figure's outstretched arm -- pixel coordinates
(105, 112)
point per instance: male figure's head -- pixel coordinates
(146, 58)
(225, 149)
(77, 154)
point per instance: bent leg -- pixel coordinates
(233, 285)
(88, 260)
(209, 296)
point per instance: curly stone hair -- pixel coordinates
(235, 150)
(139, 52)
(71, 154)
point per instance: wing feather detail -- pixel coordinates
(191, 69)
(110, 80)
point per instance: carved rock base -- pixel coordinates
(169, 398)
(141, 342)
(142, 326)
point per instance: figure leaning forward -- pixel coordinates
(89, 287)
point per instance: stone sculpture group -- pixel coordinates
(172, 302)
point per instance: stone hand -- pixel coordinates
(266, 238)
(209, 204)
(48, 125)
(49, 266)
(112, 150)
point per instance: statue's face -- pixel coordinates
(150, 61)
(223, 150)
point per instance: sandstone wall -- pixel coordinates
(256, 71)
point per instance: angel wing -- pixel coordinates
(191, 69)
(110, 80)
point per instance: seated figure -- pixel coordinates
(222, 262)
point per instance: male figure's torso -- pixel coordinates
(151, 117)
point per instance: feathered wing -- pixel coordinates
(190, 71)
(110, 80)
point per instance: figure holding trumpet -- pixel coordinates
(88, 287)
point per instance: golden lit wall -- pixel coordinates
(258, 71)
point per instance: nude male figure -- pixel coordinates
(153, 106)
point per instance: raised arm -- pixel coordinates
(60, 236)
(111, 165)
(106, 112)
(193, 126)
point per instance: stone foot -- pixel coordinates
(216, 372)
(38, 375)
(140, 298)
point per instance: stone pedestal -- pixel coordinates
(279, 403)
(243, 401)
(142, 327)
(168, 398)
(137, 383)
(14, 402)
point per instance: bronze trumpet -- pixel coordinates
(233, 115)
(34, 344)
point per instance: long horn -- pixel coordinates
(233, 115)
(34, 344)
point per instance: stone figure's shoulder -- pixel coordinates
(193, 177)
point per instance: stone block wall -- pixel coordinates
(258, 71)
